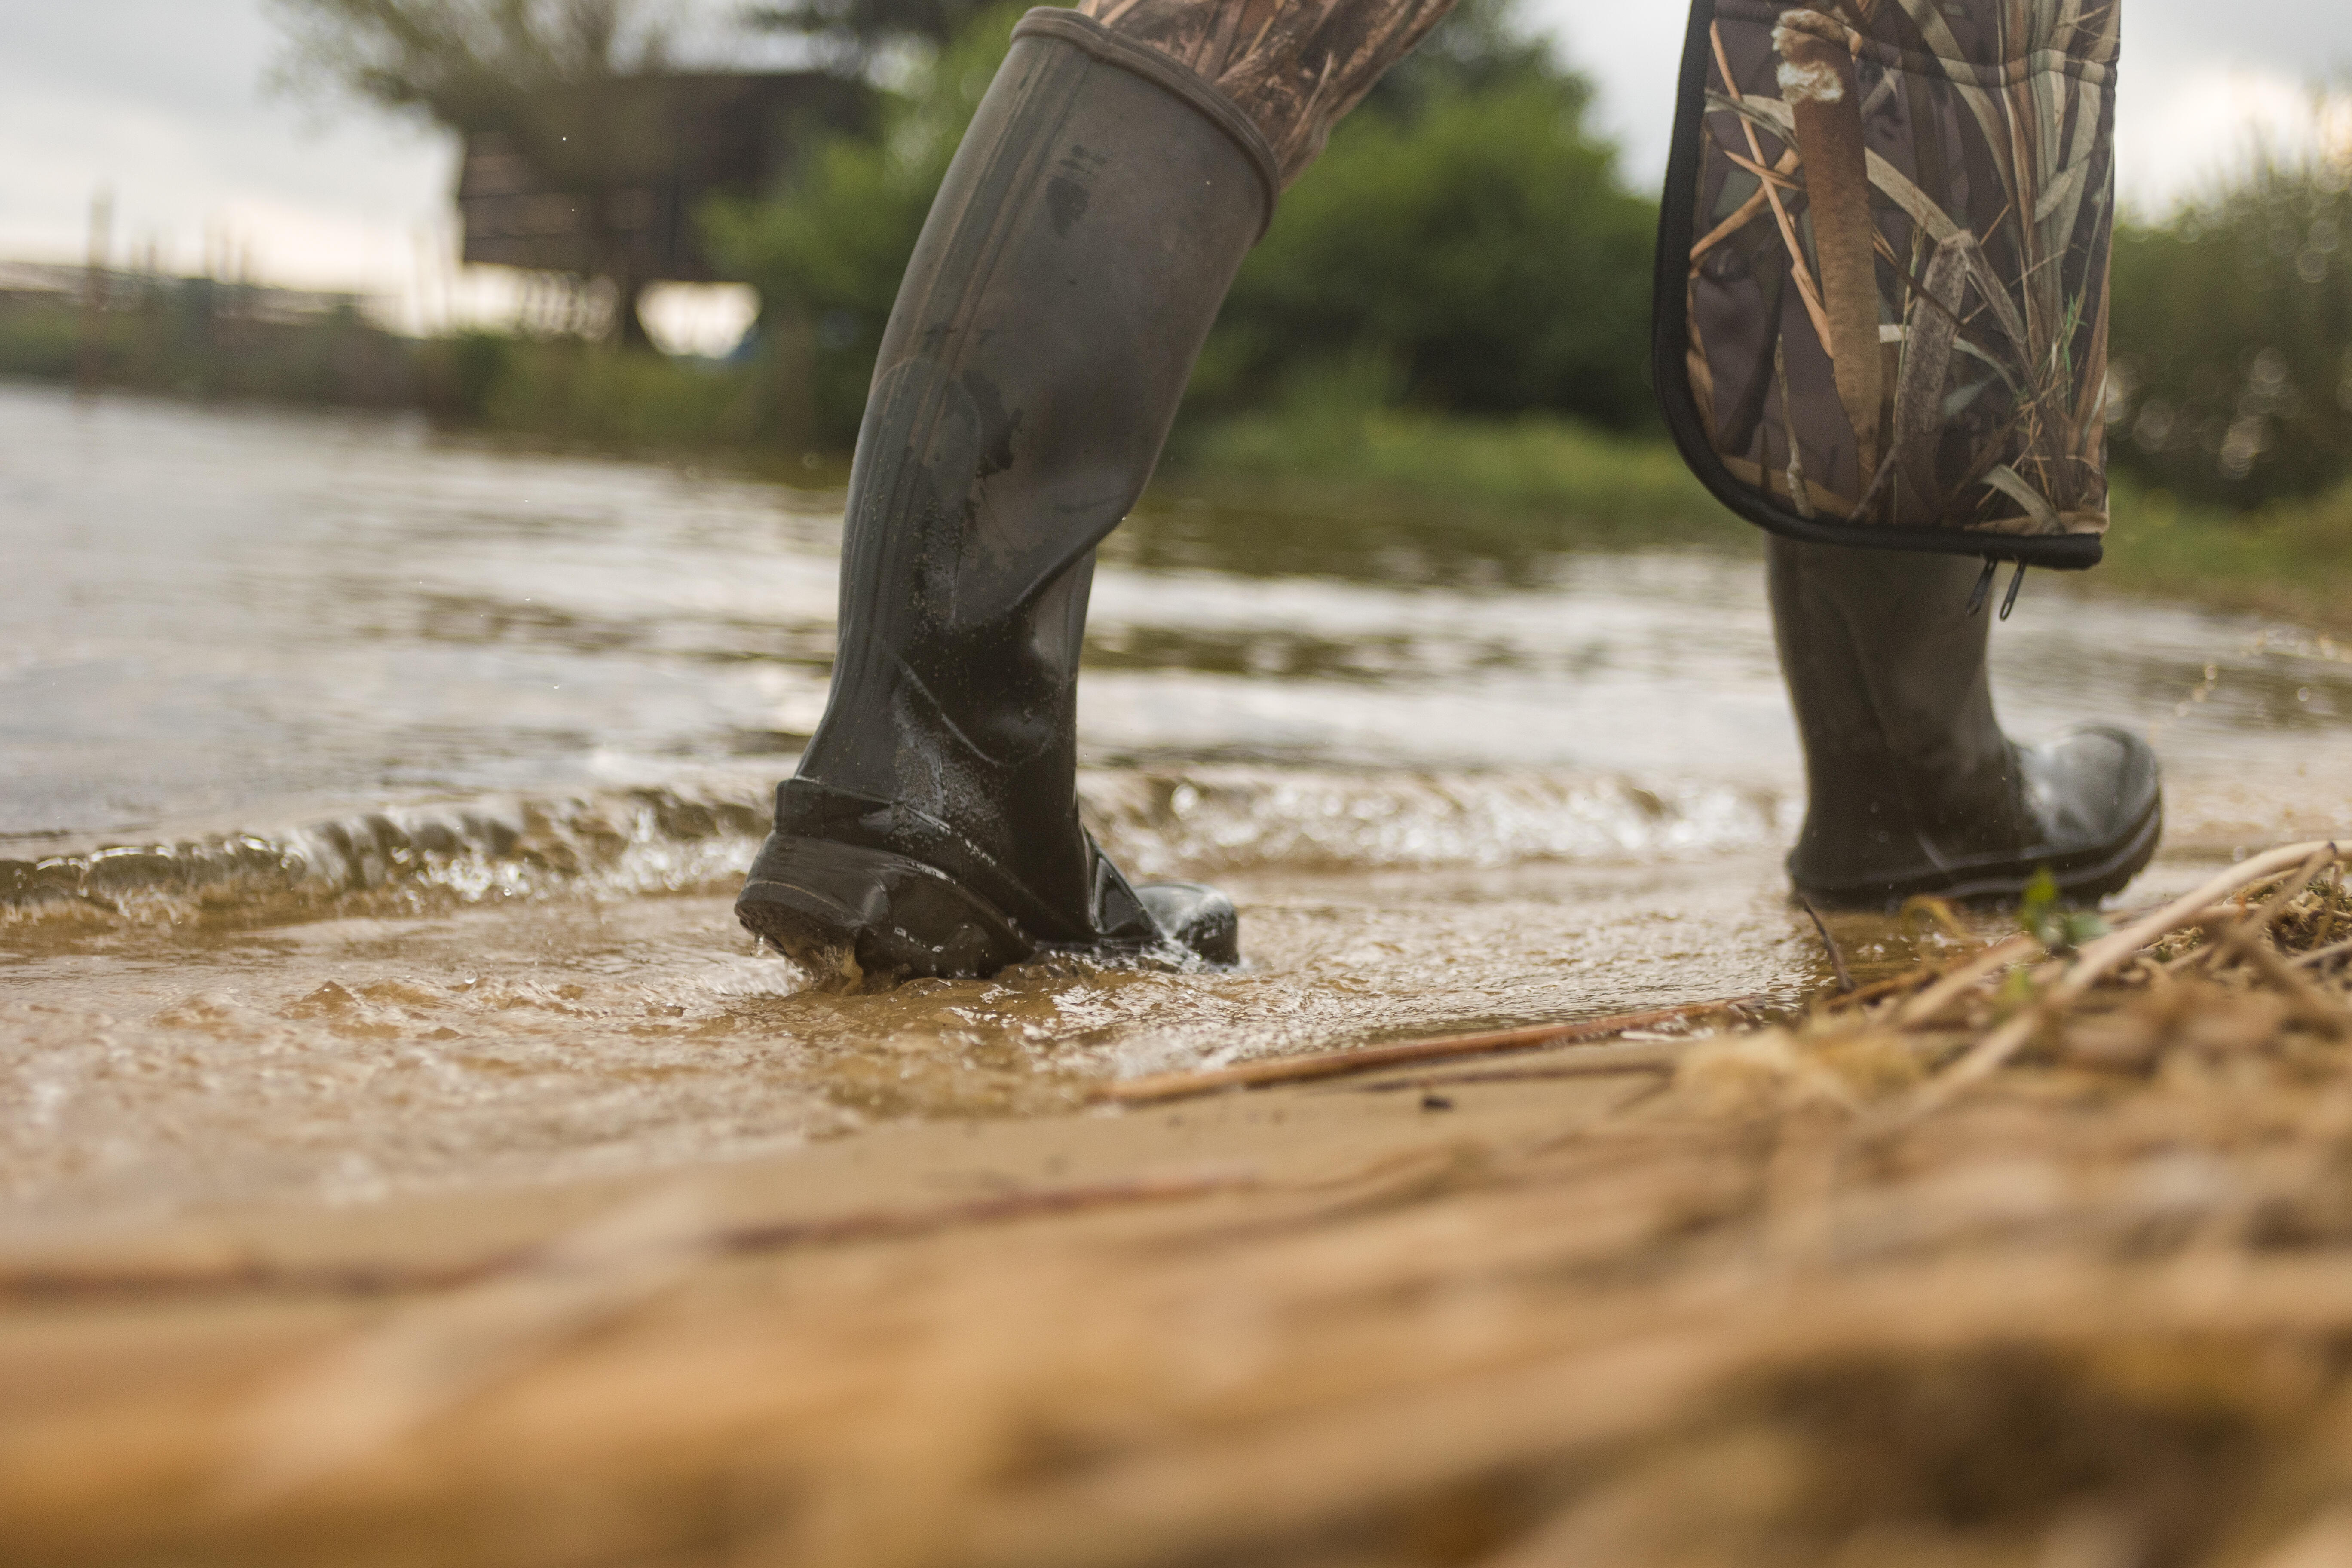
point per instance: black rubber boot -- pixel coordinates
(1077, 251)
(1912, 787)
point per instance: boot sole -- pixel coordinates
(2084, 877)
(839, 910)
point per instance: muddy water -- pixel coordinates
(370, 804)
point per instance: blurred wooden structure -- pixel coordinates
(610, 181)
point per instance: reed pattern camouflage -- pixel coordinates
(1884, 278)
(1294, 67)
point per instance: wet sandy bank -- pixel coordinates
(1573, 1305)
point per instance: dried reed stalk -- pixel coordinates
(1928, 340)
(46, 1284)
(2032, 94)
(1818, 82)
(1375, 1059)
(1800, 268)
(2107, 954)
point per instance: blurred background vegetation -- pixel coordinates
(2231, 337)
(1465, 245)
(1453, 304)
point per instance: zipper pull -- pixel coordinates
(2014, 584)
(1984, 587)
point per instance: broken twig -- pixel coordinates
(1837, 959)
(1371, 1058)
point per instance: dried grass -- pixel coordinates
(2036, 1255)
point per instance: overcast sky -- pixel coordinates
(163, 101)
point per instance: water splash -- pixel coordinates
(1205, 820)
(403, 859)
(700, 839)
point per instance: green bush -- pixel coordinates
(198, 338)
(1481, 248)
(460, 375)
(2287, 559)
(41, 340)
(576, 392)
(2231, 336)
(1326, 445)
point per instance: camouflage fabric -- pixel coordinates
(1896, 300)
(1294, 67)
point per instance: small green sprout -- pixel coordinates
(2040, 915)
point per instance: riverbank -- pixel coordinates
(1340, 473)
(1921, 1276)
(1574, 486)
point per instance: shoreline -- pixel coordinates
(1764, 1296)
(1533, 485)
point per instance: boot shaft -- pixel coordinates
(1886, 665)
(1080, 247)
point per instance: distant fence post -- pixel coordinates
(90, 363)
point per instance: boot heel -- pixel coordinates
(840, 910)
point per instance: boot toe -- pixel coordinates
(1197, 918)
(2093, 810)
(2090, 786)
(2097, 796)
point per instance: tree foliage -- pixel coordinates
(1466, 237)
(850, 33)
(1471, 238)
(536, 71)
(471, 64)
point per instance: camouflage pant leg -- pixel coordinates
(1294, 67)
